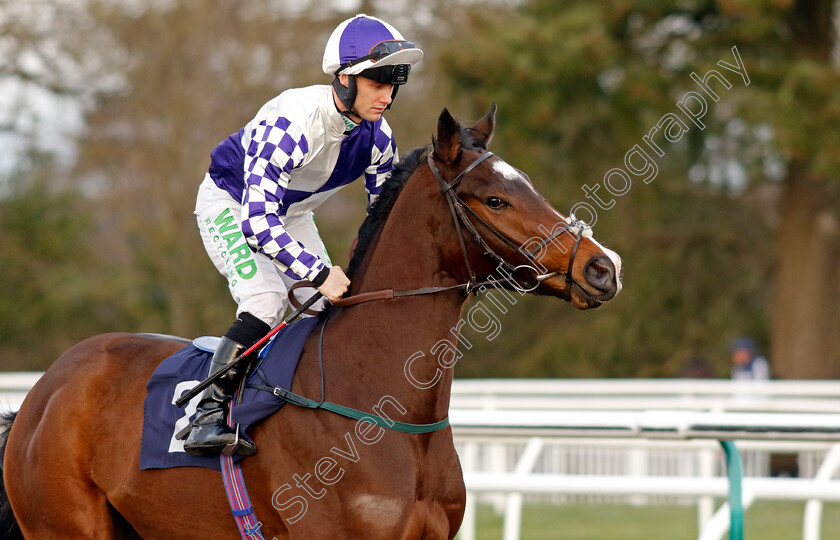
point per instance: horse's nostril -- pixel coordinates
(600, 273)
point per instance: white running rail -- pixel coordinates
(495, 421)
(634, 423)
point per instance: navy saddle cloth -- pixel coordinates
(176, 375)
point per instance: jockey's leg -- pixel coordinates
(260, 291)
(210, 433)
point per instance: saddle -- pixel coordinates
(176, 375)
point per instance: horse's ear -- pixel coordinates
(448, 141)
(483, 129)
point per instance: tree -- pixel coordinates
(580, 85)
(49, 76)
(50, 296)
(53, 291)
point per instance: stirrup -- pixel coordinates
(231, 448)
(181, 435)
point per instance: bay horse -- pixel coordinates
(71, 464)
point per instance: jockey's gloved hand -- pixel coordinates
(335, 285)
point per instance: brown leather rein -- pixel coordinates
(460, 218)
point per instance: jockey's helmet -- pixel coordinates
(371, 48)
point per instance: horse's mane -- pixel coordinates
(381, 208)
(391, 189)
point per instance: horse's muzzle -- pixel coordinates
(600, 273)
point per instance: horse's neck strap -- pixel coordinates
(355, 414)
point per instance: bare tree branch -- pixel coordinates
(14, 72)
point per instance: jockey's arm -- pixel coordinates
(383, 157)
(266, 181)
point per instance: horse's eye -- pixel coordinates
(496, 203)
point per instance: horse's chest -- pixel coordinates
(379, 511)
(409, 506)
(384, 516)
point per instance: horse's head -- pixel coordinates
(507, 231)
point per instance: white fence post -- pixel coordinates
(513, 506)
(498, 464)
(706, 505)
(638, 467)
(468, 463)
(813, 508)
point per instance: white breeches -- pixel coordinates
(256, 284)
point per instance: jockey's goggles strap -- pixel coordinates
(379, 52)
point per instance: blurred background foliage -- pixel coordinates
(109, 110)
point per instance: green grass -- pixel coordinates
(762, 521)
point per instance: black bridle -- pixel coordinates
(461, 216)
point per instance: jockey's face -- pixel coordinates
(371, 97)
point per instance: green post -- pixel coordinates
(736, 508)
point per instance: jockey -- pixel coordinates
(254, 207)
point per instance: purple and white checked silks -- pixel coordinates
(288, 160)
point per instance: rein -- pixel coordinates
(460, 218)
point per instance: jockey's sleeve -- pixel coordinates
(275, 150)
(383, 154)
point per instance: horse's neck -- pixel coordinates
(411, 249)
(393, 333)
(391, 348)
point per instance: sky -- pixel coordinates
(39, 120)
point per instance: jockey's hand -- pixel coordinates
(335, 285)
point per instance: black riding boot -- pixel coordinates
(210, 433)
